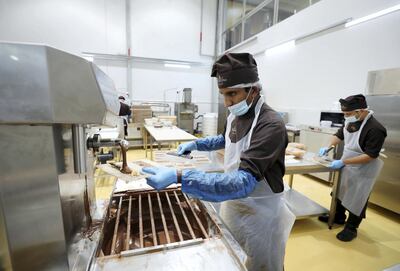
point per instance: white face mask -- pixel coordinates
(242, 107)
(351, 119)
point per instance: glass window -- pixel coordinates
(251, 4)
(289, 7)
(233, 12)
(233, 36)
(259, 21)
(260, 15)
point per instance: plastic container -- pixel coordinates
(210, 124)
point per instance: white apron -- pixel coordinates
(262, 222)
(357, 180)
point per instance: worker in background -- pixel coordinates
(125, 113)
(251, 187)
(363, 138)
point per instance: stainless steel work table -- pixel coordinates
(301, 205)
(171, 134)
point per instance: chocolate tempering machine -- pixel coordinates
(50, 101)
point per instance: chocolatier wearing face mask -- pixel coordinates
(251, 188)
(363, 138)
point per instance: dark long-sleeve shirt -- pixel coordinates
(265, 157)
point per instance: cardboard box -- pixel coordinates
(141, 112)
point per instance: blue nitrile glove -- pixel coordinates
(162, 176)
(336, 164)
(323, 151)
(186, 147)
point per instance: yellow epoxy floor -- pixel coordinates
(312, 246)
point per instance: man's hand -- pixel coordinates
(323, 151)
(337, 164)
(186, 147)
(161, 176)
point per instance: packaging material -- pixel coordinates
(140, 113)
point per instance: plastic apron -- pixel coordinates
(357, 180)
(262, 222)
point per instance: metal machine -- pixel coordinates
(48, 98)
(185, 111)
(49, 217)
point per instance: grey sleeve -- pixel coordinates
(267, 145)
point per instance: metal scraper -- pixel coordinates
(184, 155)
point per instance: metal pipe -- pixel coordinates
(128, 47)
(153, 227)
(178, 229)
(78, 148)
(114, 240)
(128, 229)
(163, 219)
(184, 216)
(197, 218)
(140, 222)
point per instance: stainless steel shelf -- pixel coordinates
(302, 206)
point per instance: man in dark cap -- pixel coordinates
(251, 188)
(363, 139)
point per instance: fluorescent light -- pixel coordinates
(373, 16)
(281, 47)
(13, 57)
(181, 66)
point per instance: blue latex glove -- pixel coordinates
(336, 164)
(162, 176)
(323, 151)
(186, 147)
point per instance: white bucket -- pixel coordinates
(210, 124)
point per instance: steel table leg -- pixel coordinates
(151, 148)
(335, 187)
(145, 141)
(291, 180)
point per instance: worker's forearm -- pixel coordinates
(210, 143)
(218, 186)
(361, 159)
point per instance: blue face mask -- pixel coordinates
(242, 107)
